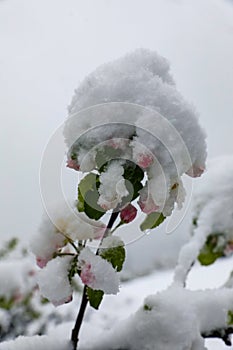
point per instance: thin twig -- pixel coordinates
(79, 320)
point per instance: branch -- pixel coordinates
(188, 255)
(224, 334)
(79, 320)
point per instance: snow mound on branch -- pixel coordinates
(213, 197)
(132, 107)
(212, 215)
(155, 326)
(36, 343)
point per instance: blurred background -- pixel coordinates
(47, 47)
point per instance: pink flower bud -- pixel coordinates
(195, 171)
(144, 160)
(41, 262)
(128, 214)
(228, 249)
(71, 163)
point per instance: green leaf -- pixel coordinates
(95, 297)
(147, 307)
(5, 303)
(133, 175)
(211, 250)
(230, 318)
(152, 220)
(115, 255)
(88, 196)
(133, 172)
(73, 268)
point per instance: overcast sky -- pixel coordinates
(48, 46)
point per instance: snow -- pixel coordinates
(36, 343)
(132, 105)
(114, 310)
(112, 186)
(212, 197)
(16, 277)
(98, 273)
(111, 242)
(214, 194)
(64, 221)
(53, 281)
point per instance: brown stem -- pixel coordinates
(79, 320)
(224, 334)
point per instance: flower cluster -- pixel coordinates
(130, 111)
(134, 135)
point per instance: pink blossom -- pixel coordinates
(41, 262)
(195, 171)
(128, 214)
(18, 297)
(118, 143)
(71, 163)
(87, 275)
(229, 249)
(146, 202)
(99, 231)
(144, 160)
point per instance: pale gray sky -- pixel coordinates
(48, 46)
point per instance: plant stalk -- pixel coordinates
(83, 305)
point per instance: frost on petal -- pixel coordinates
(53, 281)
(98, 273)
